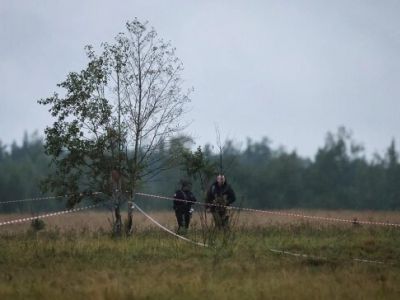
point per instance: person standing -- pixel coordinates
(220, 195)
(183, 205)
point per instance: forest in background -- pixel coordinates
(339, 176)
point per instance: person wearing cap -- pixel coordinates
(219, 196)
(183, 205)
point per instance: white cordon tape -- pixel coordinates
(356, 221)
(166, 229)
(31, 199)
(324, 258)
(272, 250)
(369, 261)
(58, 213)
(297, 254)
(155, 222)
(47, 198)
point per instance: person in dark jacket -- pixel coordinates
(183, 209)
(220, 195)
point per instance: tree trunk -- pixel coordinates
(129, 225)
(118, 221)
(116, 181)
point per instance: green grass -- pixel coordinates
(154, 265)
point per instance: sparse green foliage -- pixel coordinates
(198, 167)
(115, 114)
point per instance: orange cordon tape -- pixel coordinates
(47, 198)
(58, 213)
(356, 221)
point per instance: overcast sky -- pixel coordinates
(287, 70)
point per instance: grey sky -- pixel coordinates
(288, 70)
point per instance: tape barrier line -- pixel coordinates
(297, 254)
(324, 258)
(31, 199)
(278, 213)
(272, 250)
(47, 198)
(165, 228)
(58, 213)
(369, 261)
(53, 214)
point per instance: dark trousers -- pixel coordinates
(221, 218)
(183, 218)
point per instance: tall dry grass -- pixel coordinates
(84, 264)
(102, 220)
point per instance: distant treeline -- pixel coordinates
(338, 177)
(21, 170)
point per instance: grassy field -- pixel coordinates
(75, 257)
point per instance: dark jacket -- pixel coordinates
(222, 195)
(183, 195)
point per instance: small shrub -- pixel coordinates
(38, 224)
